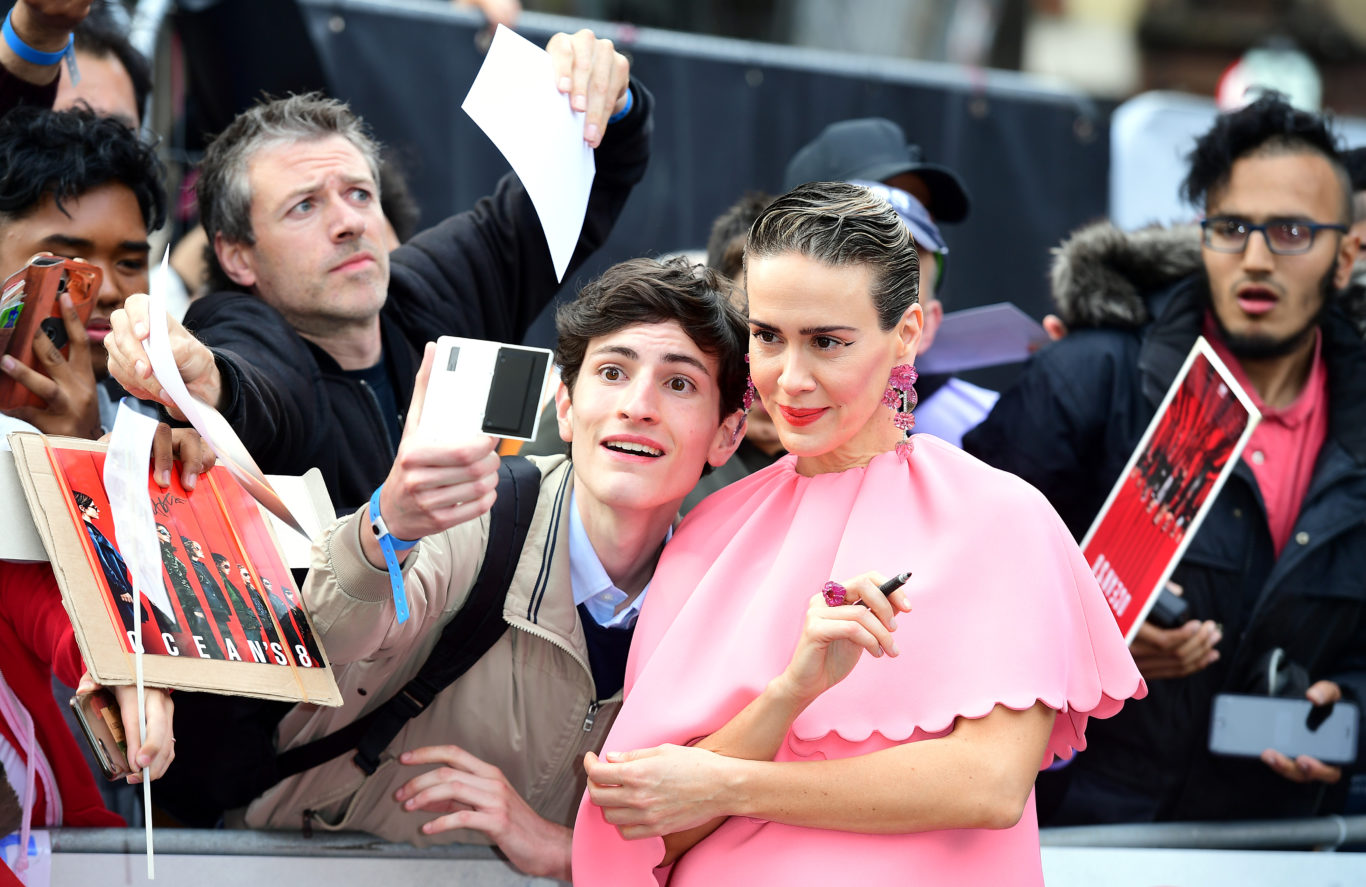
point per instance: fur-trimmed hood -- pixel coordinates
(1101, 275)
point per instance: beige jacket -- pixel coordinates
(527, 706)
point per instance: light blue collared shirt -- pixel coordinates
(592, 586)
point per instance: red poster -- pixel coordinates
(1166, 488)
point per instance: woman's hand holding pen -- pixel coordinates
(673, 789)
(833, 638)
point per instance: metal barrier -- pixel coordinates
(1117, 856)
(1324, 833)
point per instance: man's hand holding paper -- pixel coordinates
(594, 75)
(518, 100)
(129, 362)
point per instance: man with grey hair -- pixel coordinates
(311, 346)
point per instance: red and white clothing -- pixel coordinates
(36, 642)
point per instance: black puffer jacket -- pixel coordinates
(1069, 428)
(482, 274)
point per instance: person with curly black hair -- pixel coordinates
(1277, 563)
(77, 185)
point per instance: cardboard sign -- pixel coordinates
(236, 623)
(1165, 490)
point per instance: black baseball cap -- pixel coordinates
(875, 148)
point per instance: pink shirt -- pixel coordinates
(1285, 446)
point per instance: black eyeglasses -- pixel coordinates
(1284, 237)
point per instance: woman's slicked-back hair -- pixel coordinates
(646, 291)
(839, 224)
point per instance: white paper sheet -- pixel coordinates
(125, 482)
(982, 337)
(232, 453)
(515, 102)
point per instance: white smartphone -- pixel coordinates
(484, 387)
(1245, 726)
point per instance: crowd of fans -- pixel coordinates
(309, 332)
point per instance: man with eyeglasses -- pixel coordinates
(1280, 562)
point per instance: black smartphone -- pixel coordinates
(102, 725)
(514, 394)
(1169, 610)
(1245, 726)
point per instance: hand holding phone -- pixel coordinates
(110, 714)
(102, 725)
(1246, 726)
(30, 305)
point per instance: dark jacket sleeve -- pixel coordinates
(273, 394)
(1061, 428)
(17, 91)
(487, 273)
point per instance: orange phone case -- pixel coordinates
(45, 279)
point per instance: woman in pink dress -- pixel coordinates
(773, 735)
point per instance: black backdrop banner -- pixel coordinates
(729, 114)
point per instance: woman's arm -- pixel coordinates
(978, 776)
(832, 641)
(755, 734)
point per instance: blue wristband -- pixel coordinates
(35, 56)
(390, 545)
(625, 109)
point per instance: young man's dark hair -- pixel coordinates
(83, 500)
(101, 38)
(1268, 126)
(67, 153)
(643, 291)
(726, 245)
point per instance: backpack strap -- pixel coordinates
(471, 633)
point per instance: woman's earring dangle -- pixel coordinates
(746, 402)
(900, 398)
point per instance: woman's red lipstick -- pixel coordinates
(799, 417)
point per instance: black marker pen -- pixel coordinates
(892, 584)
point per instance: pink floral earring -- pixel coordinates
(900, 398)
(746, 403)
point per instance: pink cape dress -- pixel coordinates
(1004, 610)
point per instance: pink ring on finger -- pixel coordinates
(834, 594)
